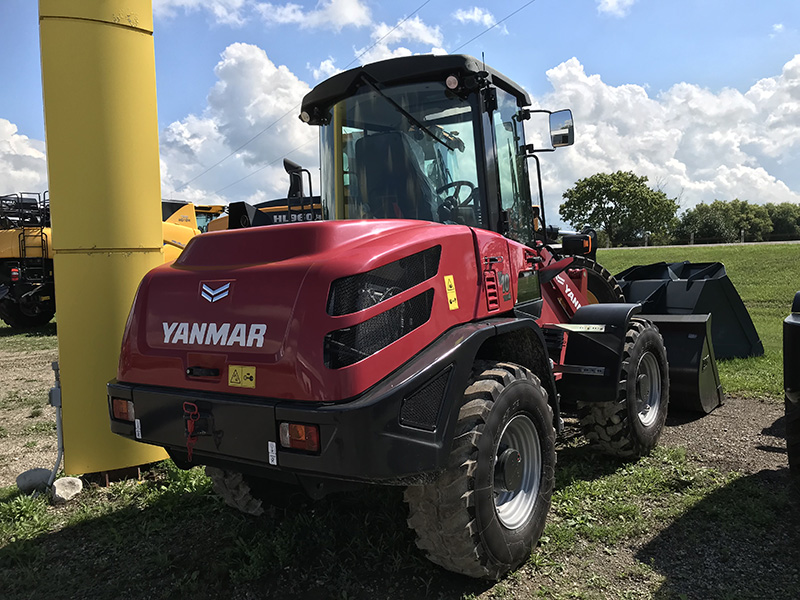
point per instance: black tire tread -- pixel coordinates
(13, 316)
(232, 487)
(605, 423)
(442, 513)
(614, 291)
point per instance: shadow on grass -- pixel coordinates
(31, 332)
(742, 542)
(189, 545)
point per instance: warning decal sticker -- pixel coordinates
(241, 376)
(450, 288)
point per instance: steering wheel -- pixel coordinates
(454, 197)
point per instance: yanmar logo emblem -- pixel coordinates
(212, 295)
(215, 334)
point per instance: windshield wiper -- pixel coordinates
(414, 121)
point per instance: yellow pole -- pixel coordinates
(98, 75)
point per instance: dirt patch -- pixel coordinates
(27, 422)
(746, 435)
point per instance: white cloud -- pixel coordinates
(224, 12)
(696, 144)
(478, 16)
(617, 8)
(253, 98)
(475, 15)
(325, 69)
(23, 166)
(328, 14)
(413, 31)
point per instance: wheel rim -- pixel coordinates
(648, 389)
(514, 508)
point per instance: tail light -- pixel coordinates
(122, 409)
(14, 274)
(299, 437)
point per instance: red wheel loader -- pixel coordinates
(423, 334)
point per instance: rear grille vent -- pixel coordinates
(347, 346)
(492, 297)
(421, 409)
(357, 292)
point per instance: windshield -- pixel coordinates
(405, 152)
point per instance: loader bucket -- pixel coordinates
(686, 288)
(693, 375)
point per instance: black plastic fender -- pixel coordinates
(592, 363)
(791, 384)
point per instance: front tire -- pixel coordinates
(482, 516)
(630, 426)
(601, 285)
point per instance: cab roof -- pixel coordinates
(406, 69)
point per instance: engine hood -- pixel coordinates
(247, 311)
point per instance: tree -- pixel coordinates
(750, 220)
(621, 205)
(707, 223)
(785, 219)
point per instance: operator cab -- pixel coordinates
(437, 138)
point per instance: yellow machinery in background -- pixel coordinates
(98, 76)
(27, 294)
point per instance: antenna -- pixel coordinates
(483, 59)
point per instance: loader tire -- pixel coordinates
(601, 286)
(482, 516)
(630, 426)
(235, 491)
(11, 314)
(793, 436)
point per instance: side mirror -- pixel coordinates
(295, 173)
(562, 130)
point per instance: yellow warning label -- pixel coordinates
(450, 288)
(241, 376)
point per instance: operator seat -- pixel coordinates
(391, 179)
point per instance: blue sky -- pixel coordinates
(702, 96)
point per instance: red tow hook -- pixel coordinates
(190, 415)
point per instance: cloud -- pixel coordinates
(478, 16)
(254, 104)
(326, 69)
(224, 12)
(616, 8)
(696, 144)
(475, 15)
(777, 30)
(412, 31)
(329, 14)
(23, 166)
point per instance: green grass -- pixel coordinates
(766, 277)
(37, 338)
(168, 536)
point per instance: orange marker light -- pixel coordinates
(123, 409)
(300, 437)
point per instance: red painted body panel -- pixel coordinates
(280, 277)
